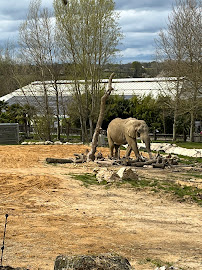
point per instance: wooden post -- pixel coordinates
(91, 154)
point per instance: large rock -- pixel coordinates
(107, 175)
(127, 173)
(86, 262)
(58, 143)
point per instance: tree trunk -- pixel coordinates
(91, 127)
(192, 127)
(174, 128)
(58, 111)
(84, 133)
(58, 128)
(91, 154)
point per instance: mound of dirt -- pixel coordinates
(51, 213)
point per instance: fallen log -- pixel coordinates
(159, 165)
(78, 161)
(59, 160)
(136, 163)
(106, 162)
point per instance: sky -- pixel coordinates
(140, 22)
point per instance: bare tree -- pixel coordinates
(91, 154)
(179, 46)
(38, 46)
(89, 35)
(7, 64)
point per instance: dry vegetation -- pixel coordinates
(51, 213)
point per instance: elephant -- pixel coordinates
(125, 131)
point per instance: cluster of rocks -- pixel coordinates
(173, 149)
(110, 176)
(86, 262)
(49, 143)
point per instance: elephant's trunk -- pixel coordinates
(146, 140)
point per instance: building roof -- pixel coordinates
(33, 93)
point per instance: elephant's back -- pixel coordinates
(115, 124)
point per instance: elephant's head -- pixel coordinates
(136, 128)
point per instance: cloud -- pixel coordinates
(143, 4)
(17, 10)
(140, 28)
(12, 13)
(142, 21)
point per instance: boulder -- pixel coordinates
(86, 262)
(24, 143)
(58, 143)
(127, 173)
(40, 143)
(105, 174)
(31, 143)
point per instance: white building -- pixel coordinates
(34, 92)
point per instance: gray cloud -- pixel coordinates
(140, 21)
(17, 10)
(145, 4)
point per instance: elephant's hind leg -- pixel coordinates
(111, 146)
(117, 151)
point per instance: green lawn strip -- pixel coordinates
(193, 175)
(183, 193)
(87, 179)
(158, 262)
(189, 160)
(190, 145)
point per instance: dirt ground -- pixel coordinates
(50, 213)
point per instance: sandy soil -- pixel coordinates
(50, 213)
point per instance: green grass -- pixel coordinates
(158, 262)
(181, 193)
(87, 179)
(194, 175)
(189, 160)
(190, 145)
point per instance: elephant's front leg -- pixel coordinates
(132, 145)
(128, 151)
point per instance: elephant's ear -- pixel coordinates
(131, 129)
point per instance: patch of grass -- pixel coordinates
(158, 262)
(193, 175)
(189, 160)
(182, 193)
(190, 145)
(88, 179)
